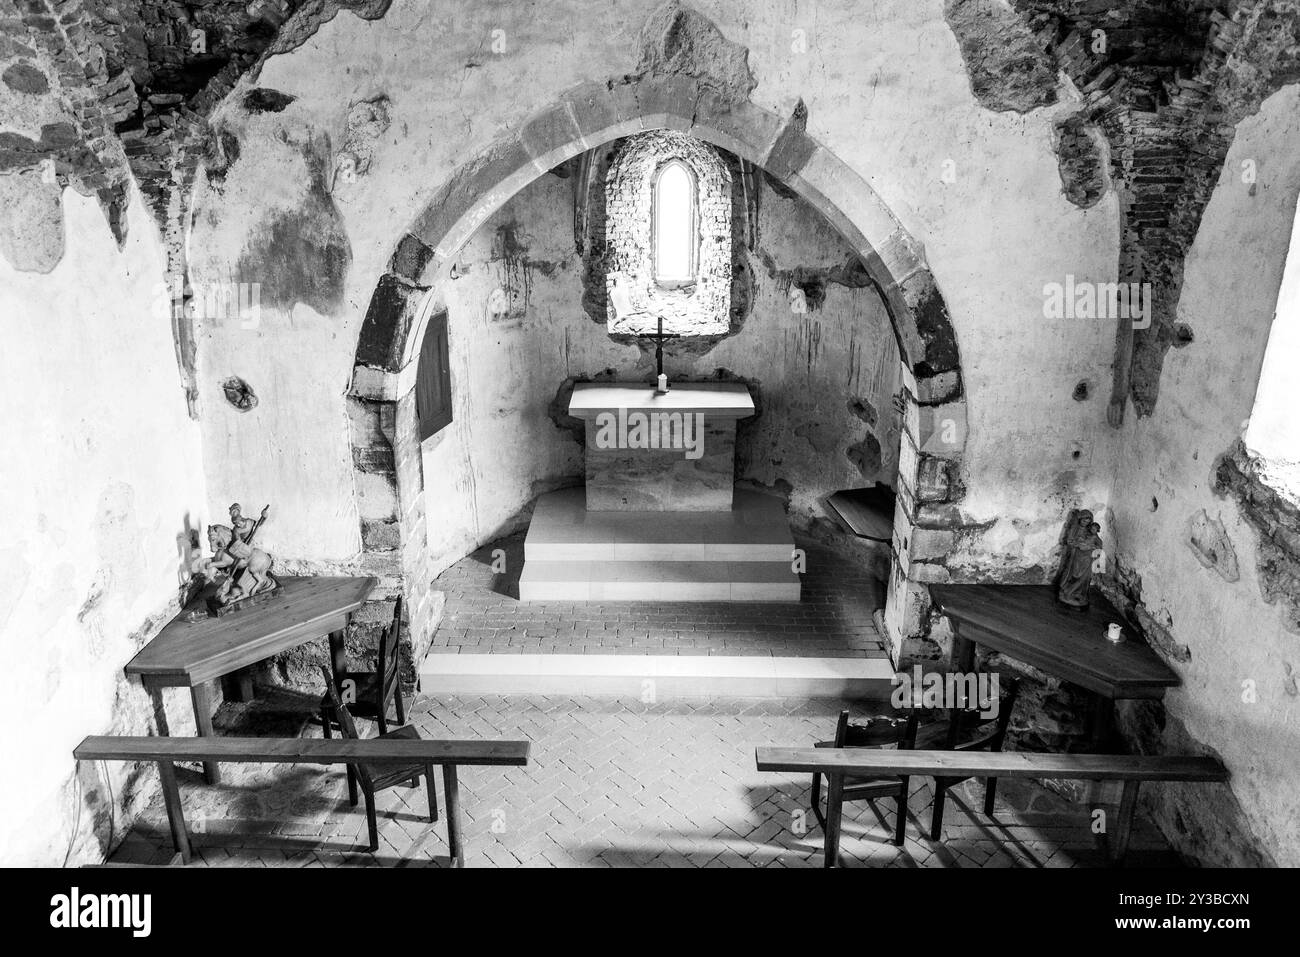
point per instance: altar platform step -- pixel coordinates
(571, 554)
(562, 529)
(657, 581)
(671, 676)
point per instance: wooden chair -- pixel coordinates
(878, 732)
(378, 777)
(372, 691)
(957, 735)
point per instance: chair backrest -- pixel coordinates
(346, 722)
(992, 739)
(878, 731)
(390, 645)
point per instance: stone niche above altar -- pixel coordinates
(660, 452)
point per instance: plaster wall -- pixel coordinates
(1239, 695)
(101, 474)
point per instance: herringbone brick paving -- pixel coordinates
(483, 616)
(610, 783)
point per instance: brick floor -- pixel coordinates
(611, 783)
(484, 616)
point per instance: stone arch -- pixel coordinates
(934, 415)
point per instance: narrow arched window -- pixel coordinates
(673, 220)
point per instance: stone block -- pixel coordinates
(791, 152)
(387, 323)
(931, 544)
(936, 480)
(943, 387)
(929, 573)
(942, 429)
(936, 515)
(410, 258)
(747, 130)
(547, 136)
(909, 462)
(900, 254)
(667, 101)
(379, 535)
(597, 108)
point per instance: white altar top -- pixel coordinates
(724, 400)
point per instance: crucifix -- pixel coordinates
(661, 380)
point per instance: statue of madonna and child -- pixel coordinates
(1081, 543)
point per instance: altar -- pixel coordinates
(657, 451)
(659, 517)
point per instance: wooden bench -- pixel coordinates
(373, 751)
(835, 763)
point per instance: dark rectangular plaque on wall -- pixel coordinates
(433, 381)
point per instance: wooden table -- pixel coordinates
(190, 653)
(1026, 622)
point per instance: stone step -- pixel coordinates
(657, 581)
(658, 677)
(755, 530)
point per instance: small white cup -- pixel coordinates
(1114, 633)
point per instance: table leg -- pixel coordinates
(175, 813)
(1102, 723)
(238, 685)
(452, 792)
(202, 699)
(961, 661)
(159, 709)
(338, 653)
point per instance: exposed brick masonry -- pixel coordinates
(703, 308)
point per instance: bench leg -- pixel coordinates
(990, 795)
(1124, 826)
(452, 790)
(900, 826)
(433, 794)
(936, 816)
(202, 700)
(817, 801)
(175, 813)
(834, 813)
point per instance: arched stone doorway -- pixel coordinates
(933, 414)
